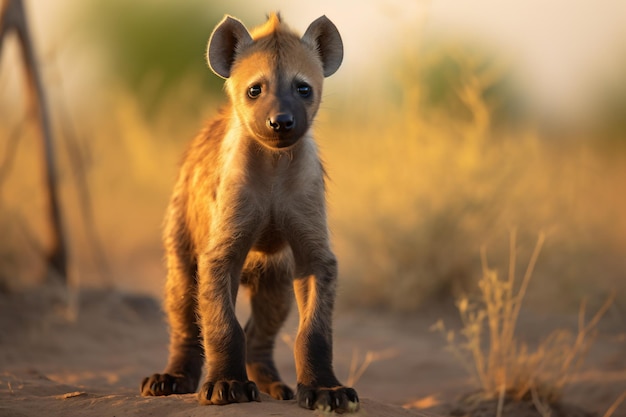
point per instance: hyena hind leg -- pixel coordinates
(269, 278)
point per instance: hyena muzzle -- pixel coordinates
(249, 208)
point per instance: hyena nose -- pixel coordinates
(282, 122)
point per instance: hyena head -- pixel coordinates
(273, 76)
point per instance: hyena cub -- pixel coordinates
(248, 208)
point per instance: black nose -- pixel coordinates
(282, 122)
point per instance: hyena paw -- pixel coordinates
(227, 392)
(166, 384)
(280, 391)
(338, 399)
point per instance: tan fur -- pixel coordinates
(274, 24)
(249, 208)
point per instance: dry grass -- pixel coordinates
(412, 198)
(411, 195)
(613, 407)
(490, 350)
(359, 365)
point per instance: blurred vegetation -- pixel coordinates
(421, 175)
(610, 114)
(451, 77)
(444, 171)
(153, 46)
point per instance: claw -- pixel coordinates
(307, 402)
(209, 392)
(353, 406)
(233, 395)
(173, 386)
(253, 395)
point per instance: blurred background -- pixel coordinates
(449, 125)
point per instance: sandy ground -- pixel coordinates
(89, 360)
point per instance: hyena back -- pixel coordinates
(249, 208)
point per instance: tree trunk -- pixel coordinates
(13, 16)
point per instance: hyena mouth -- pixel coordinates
(280, 143)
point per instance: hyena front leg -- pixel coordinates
(269, 279)
(184, 367)
(224, 340)
(318, 388)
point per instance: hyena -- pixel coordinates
(249, 208)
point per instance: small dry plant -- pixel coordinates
(357, 370)
(489, 350)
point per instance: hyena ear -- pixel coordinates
(228, 37)
(323, 35)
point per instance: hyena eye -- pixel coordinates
(254, 91)
(304, 90)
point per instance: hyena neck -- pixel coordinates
(251, 169)
(298, 161)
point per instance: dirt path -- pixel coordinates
(91, 365)
(33, 394)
